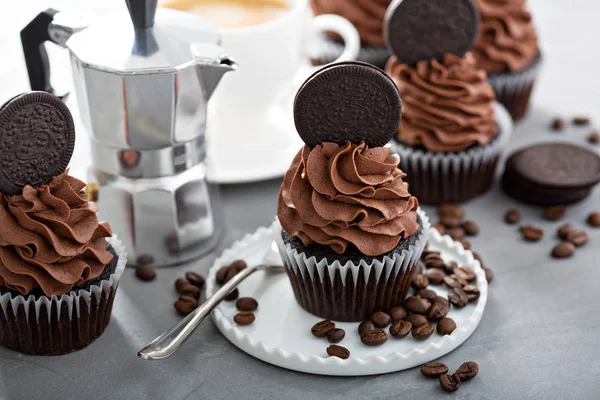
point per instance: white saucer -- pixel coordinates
(281, 333)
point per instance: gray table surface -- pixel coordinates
(537, 338)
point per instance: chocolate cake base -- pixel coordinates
(57, 332)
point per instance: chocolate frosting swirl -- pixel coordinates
(338, 196)
(447, 107)
(50, 238)
(507, 39)
(366, 15)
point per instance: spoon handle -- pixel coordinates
(170, 341)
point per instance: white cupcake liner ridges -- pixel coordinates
(60, 324)
(351, 292)
(436, 178)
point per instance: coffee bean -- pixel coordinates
(425, 294)
(451, 209)
(489, 274)
(438, 310)
(469, 273)
(465, 244)
(467, 371)
(440, 228)
(238, 265)
(450, 221)
(450, 267)
(459, 279)
(554, 213)
(374, 338)
(450, 282)
(398, 313)
(185, 304)
(434, 261)
(246, 304)
(400, 329)
(460, 273)
(416, 320)
(434, 369)
(512, 216)
(233, 295)
(416, 305)
(222, 274)
(563, 250)
(420, 282)
(195, 279)
(191, 291)
(593, 219)
(531, 233)
(180, 283)
(435, 276)
(564, 230)
(145, 273)
(367, 326)
(322, 329)
(145, 259)
(244, 318)
(338, 351)
(230, 274)
(446, 326)
(458, 297)
(457, 233)
(593, 137)
(429, 253)
(336, 335)
(450, 383)
(558, 124)
(380, 319)
(581, 120)
(472, 292)
(477, 256)
(418, 268)
(578, 238)
(423, 332)
(471, 228)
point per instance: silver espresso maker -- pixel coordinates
(143, 81)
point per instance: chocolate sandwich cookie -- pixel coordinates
(348, 101)
(418, 30)
(37, 137)
(550, 174)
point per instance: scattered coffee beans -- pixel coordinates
(246, 304)
(451, 209)
(238, 265)
(145, 273)
(195, 279)
(420, 282)
(440, 228)
(472, 292)
(398, 313)
(469, 274)
(466, 244)
(512, 216)
(459, 279)
(233, 295)
(380, 319)
(425, 294)
(593, 137)
(450, 221)
(423, 332)
(450, 282)
(230, 274)
(435, 276)
(145, 259)
(581, 120)
(563, 250)
(458, 297)
(457, 233)
(471, 228)
(338, 351)
(336, 335)
(439, 309)
(489, 274)
(578, 238)
(434, 261)
(434, 369)
(467, 371)
(450, 383)
(446, 326)
(222, 274)
(531, 233)
(191, 291)
(558, 124)
(416, 320)
(367, 326)
(374, 338)
(322, 329)
(450, 267)
(185, 304)
(244, 318)
(554, 213)
(593, 219)
(400, 329)
(180, 283)
(415, 305)
(564, 230)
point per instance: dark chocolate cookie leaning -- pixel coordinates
(37, 137)
(416, 30)
(348, 101)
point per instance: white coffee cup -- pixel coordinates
(251, 134)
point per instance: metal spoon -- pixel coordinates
(170, 341)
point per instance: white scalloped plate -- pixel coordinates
(281, 333)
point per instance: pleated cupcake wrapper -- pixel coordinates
(327, 50)
(513, 90)
(436, 178)
(351, 292)
(60, 324)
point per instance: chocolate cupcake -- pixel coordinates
(352, 233)
(367, 16)
(59, 267)
(452, 132)
(507, 49)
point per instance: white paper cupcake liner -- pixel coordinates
(60, 324)
(327, 50)
(436, 178)
(351, 292)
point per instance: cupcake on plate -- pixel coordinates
(452, 132)
(507, 49)
(351, 233)
(59, 267)
(367, 17)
